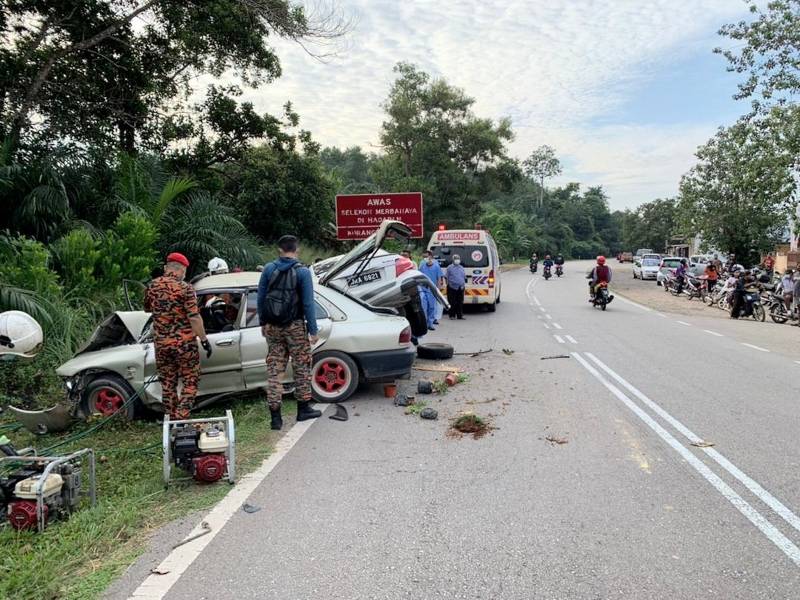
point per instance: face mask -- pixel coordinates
(457, 261)
(429, 261)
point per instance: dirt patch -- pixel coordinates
(469, 424)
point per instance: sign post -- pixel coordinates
(358, 216)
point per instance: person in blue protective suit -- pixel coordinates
(432, 270)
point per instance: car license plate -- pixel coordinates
(363, 278)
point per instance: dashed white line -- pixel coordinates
(713, 333)
(684, 323)
(797, 361)
(546, 326)
(535, 299)
(768, 529)
(541, 308)
(663, 316)
(548, 317)
(557, 326)
(571, 339)
(759, 348)
(559, 339)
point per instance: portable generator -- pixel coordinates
(204, 448)
(42, 488)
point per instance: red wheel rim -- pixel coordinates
(331, 376)
(108, 401)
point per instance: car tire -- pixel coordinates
(108, 394)
(491, 307)
(435, 351)
(415, 315)
(334, 376)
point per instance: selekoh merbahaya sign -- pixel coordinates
(358, 216)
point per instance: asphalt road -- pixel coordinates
(389, 506)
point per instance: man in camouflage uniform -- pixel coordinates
(288, 322)
(176, 327)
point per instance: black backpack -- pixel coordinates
(282, 304)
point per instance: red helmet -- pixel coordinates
(601, 260)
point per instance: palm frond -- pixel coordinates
(14, 298)
(173, 188)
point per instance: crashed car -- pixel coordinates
(381, 278)
(357, 343)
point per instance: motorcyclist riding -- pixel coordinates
(559, 262)
(534, 262)
(548, 265)
(601, 273)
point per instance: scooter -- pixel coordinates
(559, 270)
(547, 273)
(602, 297)
(533, 266)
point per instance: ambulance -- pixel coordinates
(479, 258)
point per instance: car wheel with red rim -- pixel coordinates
(334, 376)
(107, 395)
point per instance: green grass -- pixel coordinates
(416, 408)
(79, 557)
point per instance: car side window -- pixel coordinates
(219, 310)
(251, 311)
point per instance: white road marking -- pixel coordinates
(535, 299)
(541, 308)
(632, 303)
(759, 348)
(546, 326)
(557, 326)
(540, 317)
(713, 333)
(663, 316)
(797, 361)
(548, 317)
(155, 587)
(767, 528)
(767, 498)
(559, 339)
(571, 339)
(529, 288)
(684, 323)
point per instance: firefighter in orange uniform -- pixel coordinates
(176, 327)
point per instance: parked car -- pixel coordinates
(381, 278)
(358, 343)
(626, 257)
(647, 268)
(641, 252)
(667, 267)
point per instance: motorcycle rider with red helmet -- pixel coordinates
(601, 273)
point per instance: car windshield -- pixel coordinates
(672, 263)
(472, 257)
(650, 262)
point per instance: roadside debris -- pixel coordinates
(555, 356)
(206, 530)
(157, 571)
(402, 399)
(425, 386)
(703, 444)
(415, 408)
(441, 369)
(469, 423)
(473, 354)
(429, 413)
(341, 413)
(556, 441)
(250, 509)
(508, 351)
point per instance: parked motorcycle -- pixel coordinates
(776, 308)
(695, 288)
(602, 297)
(752, 306)
(559, 270)
(547, 274)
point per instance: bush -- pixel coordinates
(24, 264)
(76, 257)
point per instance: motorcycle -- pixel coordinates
(776, 308)
(559, 270)
(752, 306)
(601, 297)
(533, 266)
(695, 288)
(547, 273)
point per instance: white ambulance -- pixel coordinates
(479, 258)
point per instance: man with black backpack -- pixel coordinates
(287, 319)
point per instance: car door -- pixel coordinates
(254, 345)
(222, 372)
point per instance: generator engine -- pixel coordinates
(204, 448)
(55, 482)
(200, 452)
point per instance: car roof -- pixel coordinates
(228, 280)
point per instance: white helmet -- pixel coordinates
(20, 334)
(217, 266)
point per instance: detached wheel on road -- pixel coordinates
(108, 395)
(334, 376)
(435, 351)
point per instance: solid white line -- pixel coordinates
(632, 303)
(663, 316)
(529, 288)
(559, 339)
(571, 339)
(535, 299)
(797, 361)
(749, 483)
(767, 528)
(713, 333)
(684, 323)
(155, 587)
(557, 326)
(546, 326)
(759, 348)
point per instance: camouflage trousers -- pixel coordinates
(173, 363)
(282, 343)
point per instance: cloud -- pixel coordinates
(554, 67)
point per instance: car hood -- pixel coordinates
(119, 329)
(107, 359)
(388, 230)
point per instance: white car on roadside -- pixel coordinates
(647, 268)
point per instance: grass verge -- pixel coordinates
(78, 558)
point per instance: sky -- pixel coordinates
(624, 90)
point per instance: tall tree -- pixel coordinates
(540, 165)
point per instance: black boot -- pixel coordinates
(305, 412)
(276, 421)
